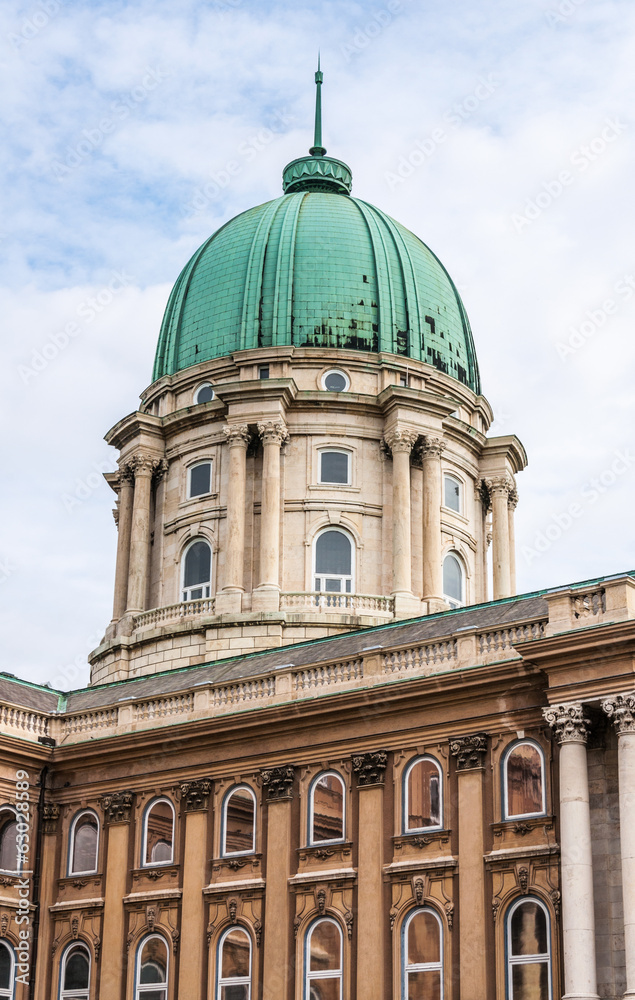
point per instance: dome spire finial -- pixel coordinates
(317, 149)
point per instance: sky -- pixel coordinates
(499, 131)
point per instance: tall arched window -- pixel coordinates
(422, 956)
(151, 973)
(453, 581)
(239, 822)
(528, 951)
(326, 809)
(9, 861)
(84, 842)
(323, 961)
(197, 571)
(333, 562)
(422, 796)
(75, 973)
(158, 833)
(452, 493)
(233, 966)
(7, 971)
(524, 780)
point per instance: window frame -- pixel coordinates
(343, 577)
(11, 812)
(330, 449)
(142, 988)
(310, 838)
(505, 789)
(420, 966)
(236, 980)
(335, 371)
(452, 601)
(68, 951)
(197, 465)
(144, 832)
(204, 385)
(405, 797)
(461, 486)
(71, 843)
(226, 799)
(511, 961)
(206, 585)
(10, 993)
(323, 974)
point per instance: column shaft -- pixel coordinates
(432, 563)
(191, 983)
(511, 510)
(238, 438)
(401, 532)
(111, 983)
(499, 490)
(140, 535)
(270, 514)
(47, 884)
(370, 886)
(126, 492)
(278, 971)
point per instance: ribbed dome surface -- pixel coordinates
(316, 269)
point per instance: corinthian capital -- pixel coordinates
(145, 465)
(273, 432)
(500, 486)
(236, 435)
(568, 721)
(469, 751)
(432, 447)
(621, 709)
(401, 440)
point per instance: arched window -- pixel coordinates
(158, 833)
(453, 581)
(452, 494)
(151, 975)
(334, 466)
(239, 822)
(233, 965)
(7, 971)
(326, 809)
(422, 956)
(422, 796)
(528, 951)
(204, 393)
(199, 480)
(9, 861)
(524, 780)
(84, 842)
(323, 961)
(334, 562)
(197, 571)
(75, 973)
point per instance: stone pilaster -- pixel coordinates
(431, 452)
(278, 969)
(499, 490)
(117, 808)
(124, 526)
(481, 507)
(621, 709)
(266, 597)
(49, 818)
(570, 727)
(145, 468)
(370, 769)
(230, 599)
(195, 801)
(401, 442)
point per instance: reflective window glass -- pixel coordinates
(197, 571)
(452, 579)
(423, 796)
(528, 951)
(8, 843)
(422, 963)
(335, 381)
(159, 833)
(323, 961)
(327, 809)
(77, 971)
(334, 467)
(205, 394)
(152, 969)
(234, 966)
(452, 493)
(84, 846)
(200, 479)
(239, 822)
(6, 967)
(524, 781)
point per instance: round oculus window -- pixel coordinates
(335, 381)
(204, 394)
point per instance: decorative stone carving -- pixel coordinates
(568, 721)
(349, 920)
(321, 901)
(273, 432)
(481, 494)
(370, 767)
(419, 891)
(555, 899)
(50, 816)
(145, 465)
(232, 907)
(236, 435)
(75, 926)
(278, 781)
(195, 794)
(621, 710)
(523, 880)
(432, 447)
(117, 807)
(512, 499)
(469, 751)
(258, 932)
(4, 923)
(126, 473)
(151, 917)
(449, 913)
(160, 470)
(501, 485)
(401, 440)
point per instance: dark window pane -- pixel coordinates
(452, 493)
(424, 985)
(198, 562)
(333, 554)
(529, 930)
(328, 809)
(239, 820)
(205, 394)
(452, 578)
(424, 939)
(85, 845)
(153, 995)
(333, 467)
(325, 947)
(325, 989)
(154, 963)
(238, 992)
(159, 826)
(200, 479)
(333, 586)
(236, 954)
(5, 967)
(335, 382)
(524, 780)
(530, 982)
(423, 796)
(263, 371)
(9, 847)
(77, 971)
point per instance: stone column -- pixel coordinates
(117, 808)
(432, 498)
(144, 468)
(499, 489)
(267, 595)
(621, 708)
(512, 503)
(194, 798)
(370, 768)
(49, 821)
(278, 968)
(481, 506)
(401, 443)
(230, 600)
(124, 526)
(570, 728)
(470, 753)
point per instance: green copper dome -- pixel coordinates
(316, 269)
